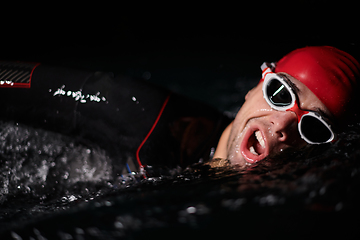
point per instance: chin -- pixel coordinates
(239, 162)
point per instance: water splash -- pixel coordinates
(35, 161)
(315, 187)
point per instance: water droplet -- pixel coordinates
(191, 210)
(118, 224)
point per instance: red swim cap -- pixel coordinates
(328, 72)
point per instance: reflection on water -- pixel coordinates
(54, 188)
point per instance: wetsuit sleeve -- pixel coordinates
(138, 124)
(41, 103)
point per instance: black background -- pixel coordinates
(184, 46)
(62, 31)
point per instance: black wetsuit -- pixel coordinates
(137, 123)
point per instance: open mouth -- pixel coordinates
(257, 147)
(254, 149)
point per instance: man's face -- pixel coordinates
(259, 131)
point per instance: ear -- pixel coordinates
(249, 93)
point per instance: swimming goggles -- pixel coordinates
(280, 96)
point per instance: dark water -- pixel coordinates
(54, 189)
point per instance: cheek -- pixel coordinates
(254, 106)
(257, 103)
(255, 98)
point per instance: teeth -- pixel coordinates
(252, 150)
(260, 138)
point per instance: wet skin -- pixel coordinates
(259, 131)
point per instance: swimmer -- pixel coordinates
(303, 99)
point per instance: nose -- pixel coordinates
(283, 124)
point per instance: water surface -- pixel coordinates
(54, 189)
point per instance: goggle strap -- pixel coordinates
(265, 71)
(266, 68)
(268, 65)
